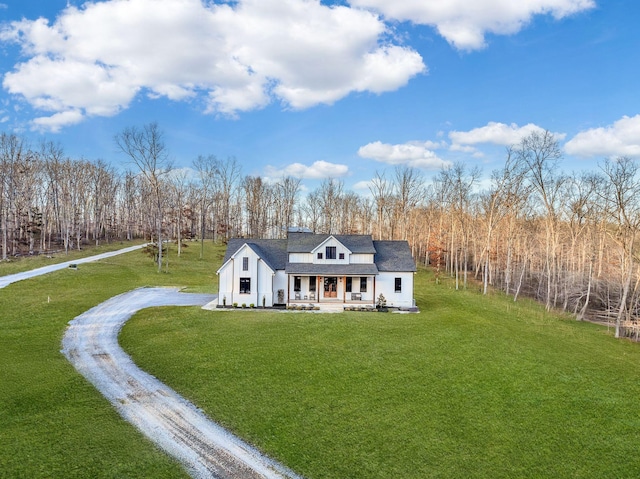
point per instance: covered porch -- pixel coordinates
(329, 290)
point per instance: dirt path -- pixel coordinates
(12, 278)
(174, 424)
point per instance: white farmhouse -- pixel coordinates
(329, 271)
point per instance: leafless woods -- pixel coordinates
(567, 240)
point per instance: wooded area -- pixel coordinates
(566, 240)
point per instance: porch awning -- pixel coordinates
(331, 269)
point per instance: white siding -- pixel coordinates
(385, 284)
(300, 258)
(340, 249)
(279, 282)
(361, 259)
(259, 274)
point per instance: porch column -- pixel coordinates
(374, 290)
(344, 289)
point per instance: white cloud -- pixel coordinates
(57, 121)
(494, 133)
(415, 154)
(363, 185)
(620, 139)
(233, 56)
(317, 171)
(465, 23)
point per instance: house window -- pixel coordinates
(245, 264)
(363, 284)
(245, 285)
(319, 255)
(296, 283)
(398, 285)
(331, 252)
(348, 284)
(341, 256)
(312, 283)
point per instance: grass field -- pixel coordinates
(473, 387)
(53, 423)
(26, 263)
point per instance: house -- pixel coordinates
(320, 269)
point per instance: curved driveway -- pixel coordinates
(174, 424)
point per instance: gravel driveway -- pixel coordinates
(173, 423)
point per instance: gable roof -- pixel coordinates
(390, 256)
(306, 242)
(272, 251)
(393, 256)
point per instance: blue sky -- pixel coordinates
(325, 89)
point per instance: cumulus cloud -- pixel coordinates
(363, 185)
(233, 57)
(464, 24)
(55, 122)
(317, 171)
(416, 154)
(620, 139)
(494, 133)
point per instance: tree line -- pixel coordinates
(568, 241)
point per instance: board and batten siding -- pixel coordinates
(385, 284)
(259, 274)
(360, 258)
(300, 258)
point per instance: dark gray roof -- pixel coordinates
(332, 269)
(306, 242)
(272, 251)
(389, 255)
(393, 256)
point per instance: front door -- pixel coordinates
(331, 287)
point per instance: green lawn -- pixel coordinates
(53, 423)
(471, 387)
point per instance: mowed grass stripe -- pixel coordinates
(472, 386)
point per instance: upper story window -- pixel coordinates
(319, 255)
(331, 252)
(340, 255)
(245, 264)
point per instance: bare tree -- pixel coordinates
(208, 168)
(540, 152)
(622, 197)
(382, 193)
(145, 147)
(408, 188)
